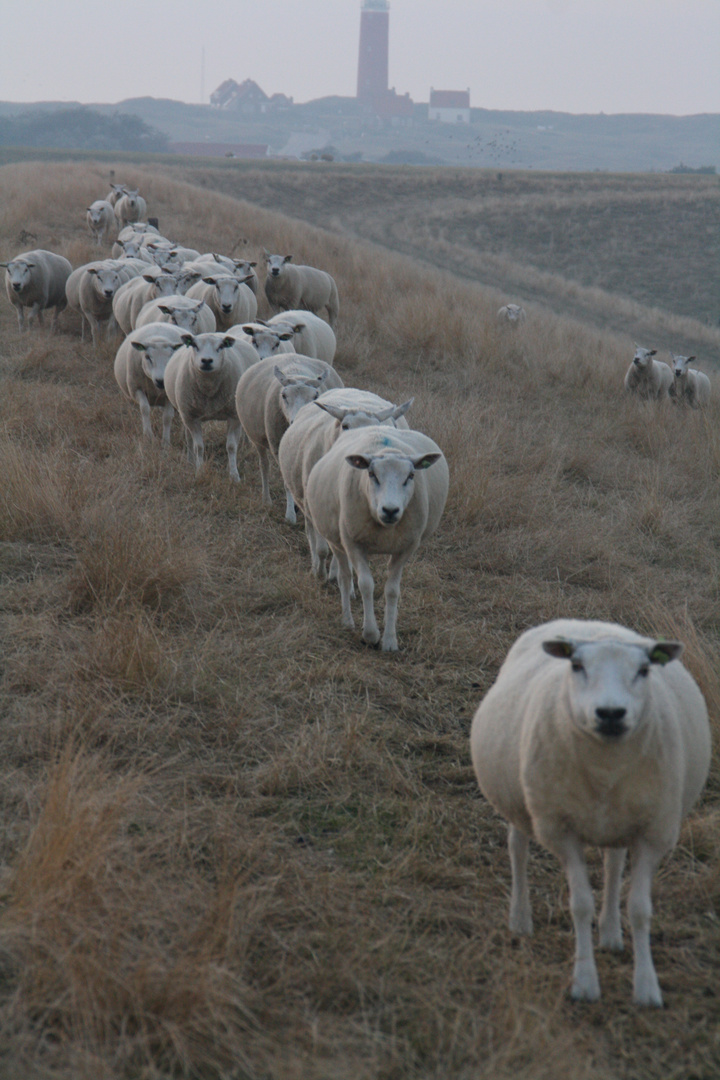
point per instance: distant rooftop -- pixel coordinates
(375, 5)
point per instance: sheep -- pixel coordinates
(100, 219)
(192, 315)
(97, 287)
(370, 495)
(115, 193)
(312, 335)
(689, 387)
(130, 207)
(646, 377)
(288, 287)
(269, 395)
(267, 341)
(200, 382)
(36, 280)
(511, 315)
(242, 269)
(610, 747)
(131, 297)
(140, 365)
(230, 300)
(313, 432)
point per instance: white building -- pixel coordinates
(449, 106)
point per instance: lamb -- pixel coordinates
(230, 300)
(312, 336)
(593, 734)
(313, 432)
(130, 207)
(192, 315)
(36, 280)
(200, 382)
(100, 219)
(288, 287)
(140, 365)
(370, 495)
(511, 315)
(269, 396)
(646, 377)
(689, 387)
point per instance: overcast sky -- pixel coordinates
(580, 56)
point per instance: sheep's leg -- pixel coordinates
(585, 984)
(290, 513)
(609, 922)
(37, 313)
(21, 317)
(318, 549)
(233, 437)
(392, 599)
(370, 632)
(646, 988)
(144, 413)
(167, 419)
(264, 474)
(520, 912)
(344, 581)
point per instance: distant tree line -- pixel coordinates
(707, 170)
(81, 129)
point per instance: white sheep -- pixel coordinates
(269, 396)
(130, 298)
(97, 286)
(200, 382)
(36, 280)
(511, 315)
(593, 734)
(314, 430)
(100, 219)
(288, 287)
(192, 315)
(130, 207)
(140, 365)
(377, 491)
(688, 387)
(115, 193)
(646, 377)
(229, 299)
(242, 269)
(266, 340)
(312, 336)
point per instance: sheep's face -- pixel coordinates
(106, 281)
(643, 358)
(208, 350)
(680, 365)
(19, 274)
(296, 392)
(187, 318)
(185, 280)
(267, 342)
(155, 356)
(276, 264)
(95, 215)
(164, 285)
(227, 290)
(390, 482)
(607, 682)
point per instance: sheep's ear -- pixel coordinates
(139, 346)
(280, 376)
(92, 270)
(187, 339)
(400, 410)
(149, 277)
(210, 280)
(249, 330)
(335, 411)
(691, 358)
(560, 648)
(358, 461)
(267, 253)
(227, 342)
(385, 414)
(165, 309)
(662, 652)
(426, 461)
(286, 335)
(287, 258)
(653, 352)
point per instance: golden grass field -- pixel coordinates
(235, 842)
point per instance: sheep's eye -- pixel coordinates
(373, 477)
(410, 477)
(576, 665)
(644, 671)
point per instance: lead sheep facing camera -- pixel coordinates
(316, 427)
(311, 335)
(647, 377)
(511, 315)
(101, 221)
(139, 368)
(288, 287)
(200, 382)
(377, 491)
(36, 280)
(130, 207)
(688, 387)
(268, 398)
(593, 734)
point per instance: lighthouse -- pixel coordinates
(372, 83)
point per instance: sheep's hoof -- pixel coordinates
(370, 637)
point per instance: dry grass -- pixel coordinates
(238, 844)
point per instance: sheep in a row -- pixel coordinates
(101, 220)
(131, 206)
(688, 387)
(139, 368)
(647, 377)
(289, 287)
(229, 299)
(192, 315)
(36, 280)
(152, 284)
(593, 734)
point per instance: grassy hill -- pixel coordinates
(236, 842)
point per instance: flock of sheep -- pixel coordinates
(591, 734)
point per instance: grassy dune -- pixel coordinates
(237, 843)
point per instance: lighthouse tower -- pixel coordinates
(372, 83)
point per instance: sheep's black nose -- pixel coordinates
(610, 722)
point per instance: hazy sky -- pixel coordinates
(610, 56)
